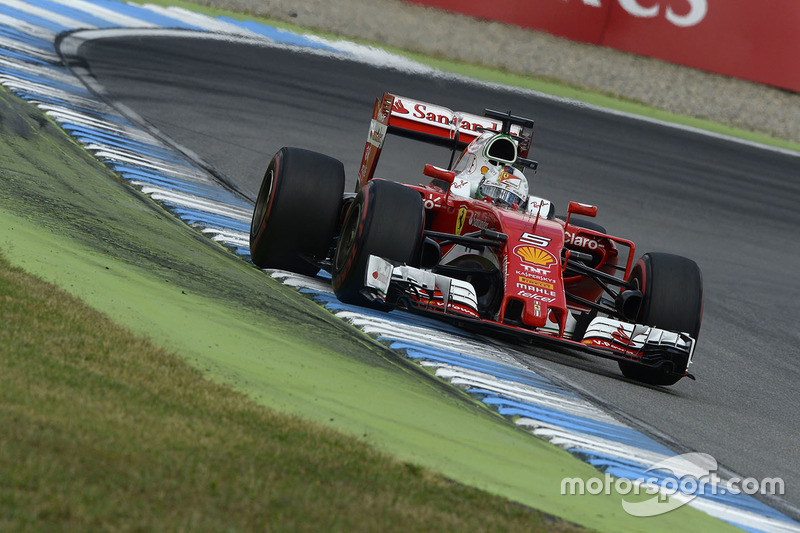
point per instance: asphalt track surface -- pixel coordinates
(730, 207)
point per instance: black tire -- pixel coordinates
(387, 220)
(583, 223)
(297, 210)
(673, 300)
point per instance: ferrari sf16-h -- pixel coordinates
(471, 246)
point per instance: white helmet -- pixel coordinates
(506, 186)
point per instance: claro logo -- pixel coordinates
(697, 10)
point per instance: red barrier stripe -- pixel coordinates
(756, 41)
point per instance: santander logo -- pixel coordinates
(397, 107)
(697, 10)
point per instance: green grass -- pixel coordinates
(544, 85)
(103, 430)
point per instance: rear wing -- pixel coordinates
(424, 122)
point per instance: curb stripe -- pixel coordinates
(81, 17)
(111, 16)
(40, 17)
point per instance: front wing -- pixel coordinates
(442, 297)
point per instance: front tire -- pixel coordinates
(296, 210)
(387, 220)
(673, 300)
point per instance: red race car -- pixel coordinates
(473, 247)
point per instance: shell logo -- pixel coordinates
(536, 256)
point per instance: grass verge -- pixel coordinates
(104, 430)
(79, 427)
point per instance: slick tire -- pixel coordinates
(583, 223)
(297, 210)
(673, 300)
(387, 220)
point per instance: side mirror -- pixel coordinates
(439, 173)
(578, 208)
(582, 209)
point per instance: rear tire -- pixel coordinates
(673, 300)
(386, 220)
(296, 210)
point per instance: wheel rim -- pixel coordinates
(262, 203)
(348, 237)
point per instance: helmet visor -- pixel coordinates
(500, 195)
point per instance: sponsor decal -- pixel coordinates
(452, 306)
(536, 282)
(544, 275)
(444, 117)
(533, 295)
(377, 133)
(621, 336)
(478, 220)
(362, 171)
(432, 201)
(460, 187)
(581, 242)
(697, 11)
(462, 309)
(536, 290)
(460, 219)
(468, 218)
(535, 271)
(381, 277)
(535, 256)
(536, 204)
(537, 309)
(598, 342)
(399, 108)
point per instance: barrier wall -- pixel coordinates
(757, 40)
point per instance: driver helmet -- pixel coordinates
(506, 186)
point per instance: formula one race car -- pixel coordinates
(473, 247)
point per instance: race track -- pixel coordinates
(729, 206)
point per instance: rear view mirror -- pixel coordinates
(582, 209)
(578, 208)
(439, 173)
